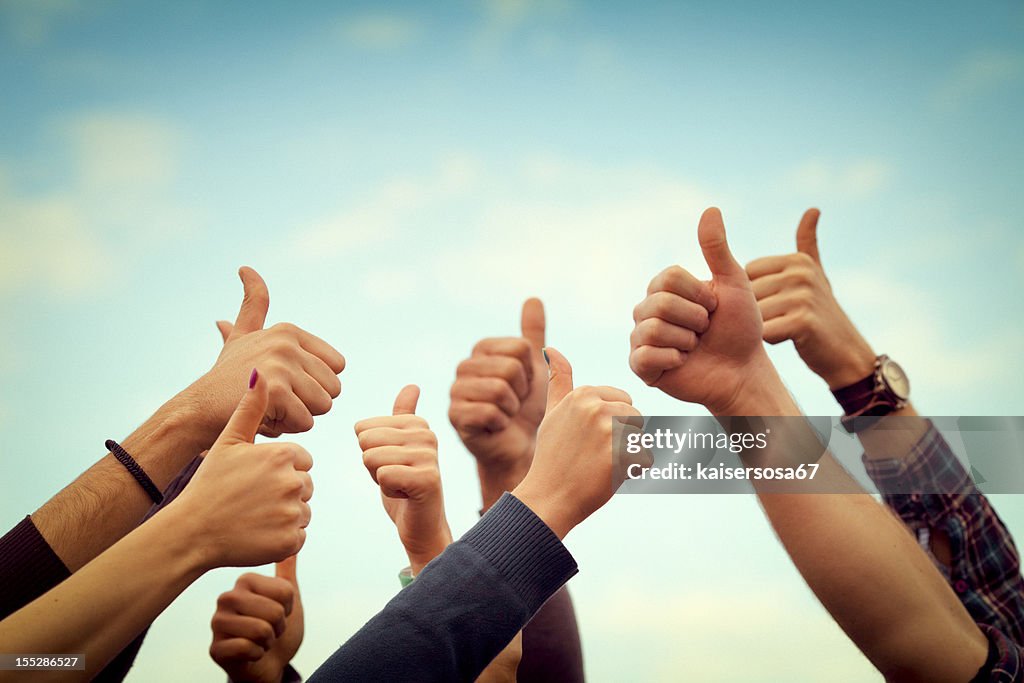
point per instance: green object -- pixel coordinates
(405, 577)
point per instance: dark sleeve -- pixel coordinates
(929, 488)
(551, 644)
(28, 567)
(463, 608)
(1005, 661)
(119, 666)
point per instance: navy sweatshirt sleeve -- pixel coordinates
(463, 608)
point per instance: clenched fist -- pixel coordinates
(258, 626)
(497, 400)
(248, 504)
(400, 452)
(797, 303)
(301, 369)
(572, 473)
(696, 340)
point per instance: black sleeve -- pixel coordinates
(463, 608)
(28, 567)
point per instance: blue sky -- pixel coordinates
(404, 175)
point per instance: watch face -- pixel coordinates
(895, 379)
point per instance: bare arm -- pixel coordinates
(857, 558)
(105, 502)
(246, 505)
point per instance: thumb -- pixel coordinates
(711, 235)
(248, 416)
(533, 323)
(807, 235)
(559, 376)
(405, 403)
(285, 569)
(255, 303)
(224, 327)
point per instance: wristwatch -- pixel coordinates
(883, 391)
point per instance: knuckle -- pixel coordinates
(286, 328)
(803, 260)
(266, 632)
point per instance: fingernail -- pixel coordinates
(253, 377)
(544, 352)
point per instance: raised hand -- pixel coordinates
(248, 504)
(302, 369)
(258, 625)
(497, 400)
(572, 471)
(797, 303)
(400, 452)
(699, 341)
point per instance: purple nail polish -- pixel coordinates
(253, 377)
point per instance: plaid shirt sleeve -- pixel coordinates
(1005, 661)
(985, 566)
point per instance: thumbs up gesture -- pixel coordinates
(697, 340)
(400, 453)
(797, 304)
(497, 400)
(248, 504)
(258, 626)
(572, 471)
(301, 369)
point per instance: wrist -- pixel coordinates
(420, 559)
(556, 515)
(858, 362)
(760, 392)
(192, 415)
(183, 532)
(183, 541)
(421, 553)
(497, 477)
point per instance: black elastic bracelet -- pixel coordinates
(135, 470)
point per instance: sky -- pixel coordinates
(404, 175)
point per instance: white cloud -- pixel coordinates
(543, 224)
(857, 179)
(31, 22)
(381, 214)
(380, 31)
(920, 330)
(119, 170)
(979, 74)
(46, 243)
(117, 151)
(583, 232)
(522, 21)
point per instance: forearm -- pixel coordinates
(875, 581)
(105, 502)
(501, 477)
(893, 439)
(464, 608)
(103, 606)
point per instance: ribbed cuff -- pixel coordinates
(28, 567)
(522, 547)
